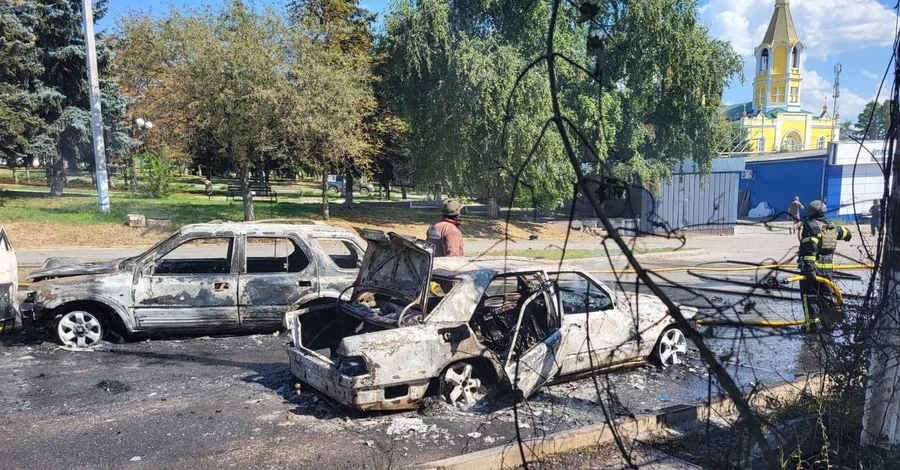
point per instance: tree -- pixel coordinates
(19, 71)
(873, 122)
(454, 64)
(62, 91)
(253, 89)
(334, 79)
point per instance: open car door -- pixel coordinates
(538, 341)
(9, 283)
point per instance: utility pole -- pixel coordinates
(836, 94)
(96, 112)
(881, 414)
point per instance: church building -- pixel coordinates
(774, 120)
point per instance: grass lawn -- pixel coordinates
(35, 220)
(555, 254)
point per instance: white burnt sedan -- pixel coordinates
(458, 327)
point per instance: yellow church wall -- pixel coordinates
(820, 132)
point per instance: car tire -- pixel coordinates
(462, 384)
(670, 348)
(78, 328)
(364, 191)
(333, 190)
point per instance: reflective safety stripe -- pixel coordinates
(809, 258)
(825, 265)
(810, 239)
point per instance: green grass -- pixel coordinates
(555, 254)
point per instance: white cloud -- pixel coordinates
(872, 75)
(827, 27)
(818, 90)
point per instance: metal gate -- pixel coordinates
(691, 202)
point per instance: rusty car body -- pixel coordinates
(205, 278)
(459, 327)
(9, 284)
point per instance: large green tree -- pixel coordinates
(254, 89)
(62, 90)
(454, 64)
(19, 70)
(872, 123)
(335, 81)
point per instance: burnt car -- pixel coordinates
(459, 328)
(9, 284)
(205, 278)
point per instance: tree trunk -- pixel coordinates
(325, 214)
(247, 196)
(493, 208)
(27, 173)
(348, 189)
(56, 176)
(387, 191)
(438, 192)
(403, 191)
(15, 175)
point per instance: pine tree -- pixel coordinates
(61, 89)
(19, 69)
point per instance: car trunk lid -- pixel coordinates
(396, 265)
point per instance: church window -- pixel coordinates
(821, 143)
(795, 94)
(764, 63)
(795, 55)
(761, 145)
(791, 143)
(778, 96)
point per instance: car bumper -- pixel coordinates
(319, 373)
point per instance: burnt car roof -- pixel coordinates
(451, 266)
(262, 228)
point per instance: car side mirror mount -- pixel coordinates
(148, 269)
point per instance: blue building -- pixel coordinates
(776, 178)
(846, 176)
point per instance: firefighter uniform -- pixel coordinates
(815, 257)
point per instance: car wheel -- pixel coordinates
(78, 328)
(333, 189)
(461, 384)
(670, 348)
(364, 191)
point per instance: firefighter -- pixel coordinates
(445, 235)
(815, 257)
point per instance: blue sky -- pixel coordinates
(857, 33)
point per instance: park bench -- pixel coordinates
(257, 189)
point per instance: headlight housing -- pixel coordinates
(352, 366)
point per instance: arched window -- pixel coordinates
(792, 143)
(795, 55)
(764, 62)
(821, 143)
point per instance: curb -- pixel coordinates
(638, 427)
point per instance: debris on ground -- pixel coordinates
(402, 425)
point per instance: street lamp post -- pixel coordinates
(96, 112)
(142, 125)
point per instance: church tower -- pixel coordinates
(774, 121)
(778, 64)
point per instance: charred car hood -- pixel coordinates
(55, 267)
(395, 265)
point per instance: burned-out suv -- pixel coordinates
(205, 278)
(459, 327)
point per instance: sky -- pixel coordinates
(856, 33)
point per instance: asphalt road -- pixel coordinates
(231, 402)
